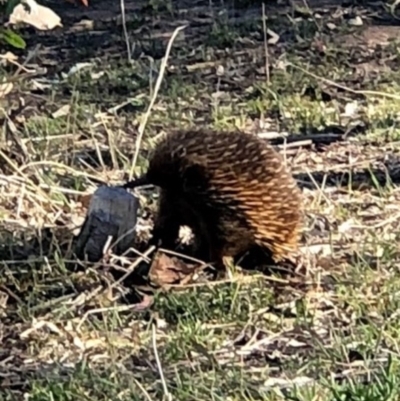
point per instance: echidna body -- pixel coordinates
(231, 188)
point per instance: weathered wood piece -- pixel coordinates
(112, 212)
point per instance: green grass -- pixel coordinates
(333, 335)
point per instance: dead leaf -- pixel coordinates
(62, 111)
(167, 270)
(357, 21)
(5, 89)
(83, 25)
(7, 57)
(34, 14)
(145, 303)
(350, 109)
(85, 199)
(274, 37)
(77, 67)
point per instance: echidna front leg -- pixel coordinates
(165, 232)
(205, 225)
(167, 223)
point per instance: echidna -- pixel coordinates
(232, 189)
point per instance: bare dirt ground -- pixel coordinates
(331, 104)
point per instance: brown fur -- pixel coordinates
(231, 188)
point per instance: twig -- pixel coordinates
(35, 187)
(30, 55)
(120, 308)
(133, 265)
(312, 14)
(153, 99)
(265, 43)
(128, 47)
(345, 88)
(166, 392)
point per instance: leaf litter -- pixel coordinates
(349, 186)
